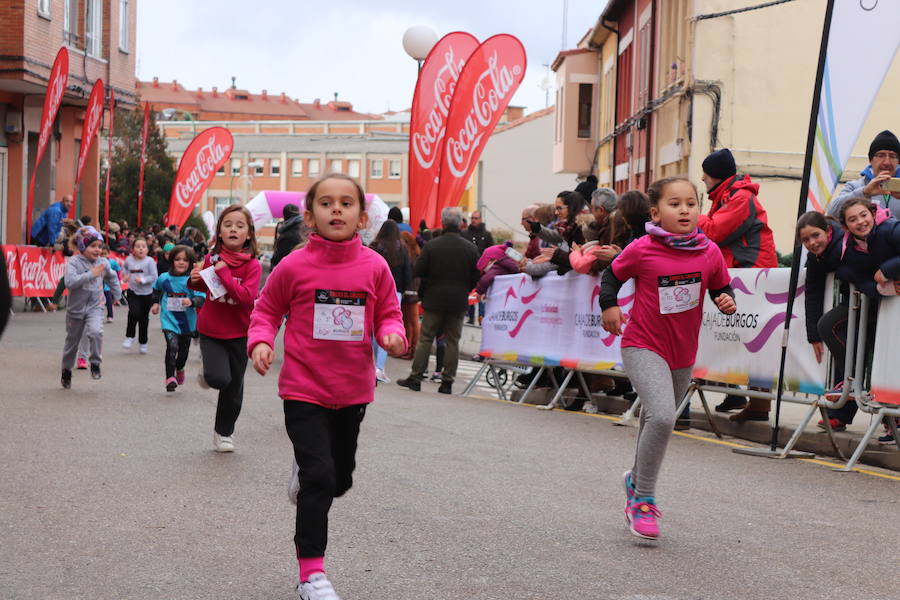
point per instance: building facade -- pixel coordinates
(100, 38)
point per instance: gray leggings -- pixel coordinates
(87, 328)
(661, 390)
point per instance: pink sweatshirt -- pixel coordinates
(228, 316)
(336, 294)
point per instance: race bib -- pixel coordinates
(339, 315)
(679, 293)
(174, 304)
(213, 283)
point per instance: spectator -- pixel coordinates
(409, 303)
(494, 262)
(478, 234)
(632, 214)
(86, 220)
(46, 228)
(884, 163)
(396, 215)
(448, 270)
(290, 233)
(534, 242)
(736, 221)
(564, 232)
(586, 188)
(388, 244)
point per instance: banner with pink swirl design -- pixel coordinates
(199, 163)
(428, 120)
(484, 90)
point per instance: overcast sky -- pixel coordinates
(352, 47)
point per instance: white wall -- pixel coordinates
(517, 170)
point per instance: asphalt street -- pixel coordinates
(111, 490)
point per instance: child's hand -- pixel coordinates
(726, 304)
(819, 350)
(262, 357)
(97, 270)
(607, 253)
(195, 273)
(186, 302)
(155, 309)
(612, 320)
(879, 277)
(394, 344)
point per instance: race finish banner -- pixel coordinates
(555, 321)
(551, 321)
(745, 348)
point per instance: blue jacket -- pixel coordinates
(883, 252)
(174, 287)
(817, 270)
(45, 230)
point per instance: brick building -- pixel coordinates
(100, 37)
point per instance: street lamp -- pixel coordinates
(251, 165)
(418, 41)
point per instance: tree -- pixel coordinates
(159, 171)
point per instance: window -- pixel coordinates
(222, 204)
(275, 166)
(220, 170)
(70, 22)
(296, 167)
(123, 25)
(93, 28)
(394, 169)
(314, 167)
(260, 166)
(376, 169)
(44, 8)
(353, 168)
(585, 102)
(235, 166)
(337, 166)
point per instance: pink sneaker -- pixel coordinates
(628, 481)
(81, 364)
(179, 377)
(641, 517)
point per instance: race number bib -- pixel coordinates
(174, 304)
(339, 315)
(679, 293)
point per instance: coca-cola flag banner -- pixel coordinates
(109, 158)
(11, 255)
(487, 84)
(202, 158)
(428, 120)
(56, 87)
(40, 269)
(143, 160)
(92, 119)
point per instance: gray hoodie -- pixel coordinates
(86, 290)
(141, 275)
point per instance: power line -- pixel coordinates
(740, 10)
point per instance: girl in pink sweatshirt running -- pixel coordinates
(337, 295)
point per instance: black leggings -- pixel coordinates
(224, 363)
(325, 448)
(177, 347)
(138, 315)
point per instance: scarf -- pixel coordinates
(232, 259)
(696, 240)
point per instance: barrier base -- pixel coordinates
(769, 453)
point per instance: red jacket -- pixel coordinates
(737, 222)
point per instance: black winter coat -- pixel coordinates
(447, 267)
(479, 236)
(817, 270)
(882, 252)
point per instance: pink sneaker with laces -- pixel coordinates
(642, 519)
(179, 377)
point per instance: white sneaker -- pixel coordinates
(223, 443)
(317, 588)
(128, 343)
(143, 348)
(294, 483)
(381, 376)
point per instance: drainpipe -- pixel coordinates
(650, 68)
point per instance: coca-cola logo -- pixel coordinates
(91, 123)
(492, 86)
(55, 94)
(205, 163)
(12, 273)
(35, 274)
(425, 144)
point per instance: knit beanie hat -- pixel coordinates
(86, 236)
(884, 141)
(720, 164)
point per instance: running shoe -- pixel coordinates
(836, 425)
(171, 384)
(642, 518)
(179, 377)
(128, 343)
(317, 588)
(381, 376)
(66, 378)
(223, 443)
(81, 364)
(95, 371)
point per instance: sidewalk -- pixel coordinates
(813, 439)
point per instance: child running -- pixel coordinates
(179, 315)
(337, 294)
(672, 267)
(85, 274)
(140, 273)
(223, 322)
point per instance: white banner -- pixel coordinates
(862, 43)
(556, 321)
(885, 378)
